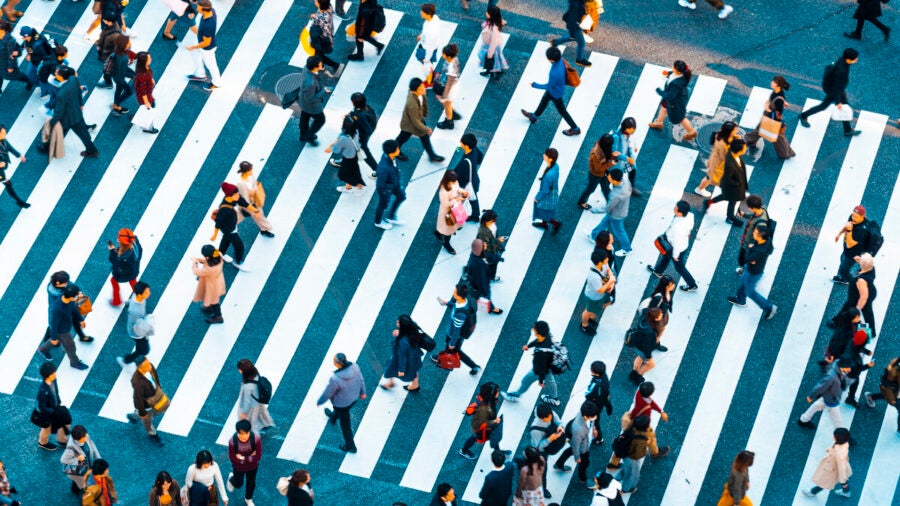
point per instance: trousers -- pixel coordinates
(747, 288)
(680, 268)
(141, 347)
(592, 183)
(68, 344)
(307, 131)
(821, 107)
(560, 108)
(343, 417)
(530, 378)
(383, 198)
(234, 238)
(617, 227)
(237, 481)
(833, 411)
(582, 466)
(426, 142)
(207, 58)
(576, 36)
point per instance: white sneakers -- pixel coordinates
(725, 11)
(687, 5)
(384, 225)
(703, 192)
(622, 253)
(227, 258)
(228, 485)
(394, 222)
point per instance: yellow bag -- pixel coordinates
(769, 129)
(727, 500)
(258, 197)
(304, 41)
(351, 32)
(159, 402)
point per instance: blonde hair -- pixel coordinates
(866, 262)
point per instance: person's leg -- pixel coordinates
(578, 36)
(81, 131)
(237, 477)
(848, 127)
(750, 281)
(814, 408)
(815, 109)
(199, 69)
(563, 457)
(604, 187)
(399, 198)
(561, 108)
(859, 28)
(371, 40)
(682, 271)
(116, 294)
(854, 385)
(869, 316)
(550, 385)
(370, 160)
(716, 4)
(618, 230)
(462, 355)
(224, 243)
(209, 59)
(835, 414)
(318, 120)
(68, 344)
(343, 416)
(383, 198)
(141, 347)
(44, 435)
(327, 60)
(592, 183)
(251, 484)
(527, 380)
(545, 100)
(304, 125)
(562, 40)
(847, 262)
(170, 23)
(583, 466)
(238, 248)
(729, 212)
(881, 26)
(147, 422)
(470, 442)
(426, 144)
(603, 225)
(403, 137)
(662, 263)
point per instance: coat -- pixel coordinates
(715, 166)
(574, 13)
(68, 104)
(581, 436)
(834, 467)
(405, 358)
(143, 390)
(547, 196)
(468, 166)
(210, 283)
(174, 492)
(312, 94)
(414, 114)
(598, 163)
(868, 9)
(448, 199)
(126, 266)
(344, 387)
(54, 138)
(675, 95)
(734, 179)
(492, 246)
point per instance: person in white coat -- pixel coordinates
(834, 467)
(77, 459)
(429, 42)
(679, 236)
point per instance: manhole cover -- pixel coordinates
(288, 83)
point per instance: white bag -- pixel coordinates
(185, 496)
(484, 305)
(144, 117)
(176, 6)
(144, 326)
(283, 483)
(845, 113)
(586, 22)
(470, 188)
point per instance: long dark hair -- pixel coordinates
(655, 320)
(142, 67)
(121, 45)
(248, 370)
(298, 476)
(743, 461)
(724, 133)
(448, 179)
(489, 393)
(606, 143)
(602, 239)
(682, 67)
(409, 329)
(211, 254)
(532, 459)
(553, 155)
(494, 17)
(162, 478)
(782, 83)
(662, 286)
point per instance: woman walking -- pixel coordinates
(661, 298)
(645, 340)
(406, 355)
(5, 149)
(346, 147)
(252, 192)
(204, 481)
(733, 183)
(715, 165)
(365, 20)
(448, 78)
(119, 72)
(450, 195)
(735, 493)
(491, 54)
(834, 467)
(50, 415)
(494, 245)
(429, 42)
(125, 261)
(861, 292)
(674, 100)
(477, 270)
(165, 491)
(80, 453)
(530, 489)
(321, 34)
(143, 88)
(775, 110)
(252, 405)
(299, 493)
(210, 282)
(600, 161)
(547, 197)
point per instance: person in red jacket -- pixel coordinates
(244, 451)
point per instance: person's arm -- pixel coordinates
(220, 483)
(863, 293)
(139, 403)
(329, 391)
(232, 452)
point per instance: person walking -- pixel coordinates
(64, 315)
(253, 192)
(775, 110)
(138, 326)
(498, 484)
(344, 388)
(599, 162)
(491, 53)
(444, 496)
(554, 91)
(204, 51)
(616, 211)
(58, 281)
(204, 481)
(660, 298)
(430, 42)
(583, 432)
(541, 366)
(477, 270)
(857, 240)
(210, 282)
(106, 46)
(406, 355)
(460, 326)
(643, 405)
(724, 9)
(625, 152)
(165, 491)
(572, 17)
(467, 172)
(346, 147)
(5, 150)
(827, 393)
(630, 472)
(125, 260)
(645, 340)
(547, 198)
(530, 487)
(486, 426)
(598, 393)
(450, 195)
(757, 217)
(494, 245)
(715, 164)
(9, 55)
(6, 490)
(861, 293)
(67, 112)
(757, 254)
(678, 235)
(79, 455)
(888, 388)
(119, 72)
(834, 83)
(99, 488)
(855, 352)
(868, 10)
(149, 398)
(366, 120)
(834, 468)
(50, 415)
(735, 492)
(245, 450)
(598, 289)
(366, 17)
(446, 87)
(547, 435)
(608, 491)
(674, 100)
(312, 101)
(299, 493)
(321, 35)
(254, 397)
(733, 183)
(412, 121)
(38, 49)
(143, 89)
(227, 219)
(388, 185)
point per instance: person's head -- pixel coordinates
(69, 293)
(553, 54)
(245, 167)
(163, 482)
(850, 56)
(646, 389)
(141, 291)
(242, 428)
(211, 255)
(341, 361)
(489, 392)
(550, 156)
(314, 64)
(477, 247)
(654, 316)
(348, 127)
(845, 364)
(48, 371)
(779, 83)
(391, 148)
(229, 190)
(299, 477)
(206, 9)
(498, 458)
(143, 62)
(143, 364)
(628, 125)
(598, 368)
(541, 330)
(754, 202)
(64, 72)
(599, 257)
(427, 11)
(468, 142)
(450, 52)
(122, 44)
(488, 217)
(841, 436)
(204, 459)
(603, 240)
(866, 262)
(126, 239)
(323, 5)
(665, 284)
(358, 100)
(79, 433)
(247, 369)
(682, 68)
(605, 143)
(461, 292)
(727, 131)
(853, 315)
(59, 279)
(603, 479)
(532, 457)
(449, 178)
(27, 33)
(743, 461)
(858, 215)
(444, 490)
(615, 177)
(417, 86)
(761, 234)
(682, 208)
(493, 16)
(738, 147)
(60, 52)
(407, 326)
(589, 410)
(99, 468)
(642, 423)
(544, 412)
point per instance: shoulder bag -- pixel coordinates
(663, 245)
(470, 186)
(769, 126)
(572, 77)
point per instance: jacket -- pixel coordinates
(834, 467)
(364, 18)
(492, 246)
(835, 82)
(868, 9)
(93, 491)
(757, 256)
(48, 399)
(598, 393)
(485, 414)
(312, 94)
(541, 358)
(5, 150)
(126, 266)
(414, 113)
(457, 320)
(174, 492)
(63, 317)
(547, 196)
(640, 444)
(675, 95)
(344, 387)
(619, 200)
(477, 269)
(387, 175)
(467, 166)
(598, 163)
(74, 450)
(53, 137)
(67, 110)
(210, 283)
(574, 13)
(737, 485)
(538, 430)
(556, 80)
(144, 390)
(252, 454)
(890, 382)
(106, 43)
(366, 120)
(830, 387)
(498, 486)
(120, 70)
(298, 496)
(581, 436)
(734, 179)
(679, 233)
(752, 222)
(622, 145)
(8, 46)
(404, 358)
(715, 165)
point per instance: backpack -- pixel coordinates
(468, 327)
(876, 240)
(318, 40)
(634, 334)
(252, 441)
(828, 76)
(553, 447)
(379, 22)
(263, 390)
(561, 362)
(621, 445)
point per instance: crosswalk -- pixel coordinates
(175, 224)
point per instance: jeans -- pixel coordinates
(237, 481)
(629, 474)
(833, 411)
(307, 131)
(30, 72)
(617, 227)
(230, 238)
(575, 35)
(680, 268)
(846, 264)
(493, 439)
(141, 347)
(343, 417)
(560, 107)
(592, 183)
(529, 379)
(821, 107)
(747, 288)
(383, 198)
(426, 142)
(207, 58)
(123, 91)
(582, 466)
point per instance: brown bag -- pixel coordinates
(572, 77)
(159, 401)
(214, 494)
(627, 420)
(449, 219)
(258, 197)
(84, 304)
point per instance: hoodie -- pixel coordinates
(345, 386)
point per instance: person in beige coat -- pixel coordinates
(252, 191)
(715, 166)
(449, 195)
(834, 467)
(412, 122)
(210, 282)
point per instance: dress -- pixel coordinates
(448, 199)
(547, 196)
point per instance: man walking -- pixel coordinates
(856, 242)
(149, 398)
(312, 101)
(467, 172)
(757, 217)
(616, 212)
(541, 366)
(63, 314)
(679, 236)
(582, 429)
(139, 328)
(757, 254)
(547, 435)
(227, 220)
(868, 10)
(554, 91)
(412, 122)
(719, 5)
(366, 121)
(834, 84)
(827, 394)
(387, 185)
(498, 484)
(460, 326)
(244, 452)
(67, 112)
(344, 388)
(204, 51)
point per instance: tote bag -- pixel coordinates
(769, 128)
(144, 117)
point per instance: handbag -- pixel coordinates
(769, 129)
(484, 304)
(586, 22)
(159, 401)
(470, 186)
(845, 113)
(663, 245)
(449, 219)
(144, 117)
(420, 53)
(283, 483)
(39, 419)
(459, 212)
(84, 304)
(360, 153)
(572, 77)
(79, 469)
(448, 360)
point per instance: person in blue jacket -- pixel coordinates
(387, 184)
(554, 90)
(406, 355)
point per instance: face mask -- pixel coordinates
(493, 228)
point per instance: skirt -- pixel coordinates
(259, 417)
(349, 172)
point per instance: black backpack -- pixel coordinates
(468, 327)
(263, 390)
(621, 445)
(876, 240)
(379, 22)
(553, 447)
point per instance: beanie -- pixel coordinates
(229, 189)
(860, 210)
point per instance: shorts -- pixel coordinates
(594, 306)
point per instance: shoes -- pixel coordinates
(267, 233)
(539, 224)
(735, 222)
(656, 126)
(585, 206)
(240, 266)
(249, 502)
(804, 122)
(449, 248)
(192, 77)
(562, 468)
(547, 494)
(690, 136)
(48, 446)
(394, 221)
(622, 253)
(633, 490)
(841, 492)
(472, 219)
(456, 116)
(850, 401)
(635, 193)
(43, 149)
(152, 130)
(687, 5)
(86, 339)
(808, 492)
(725, 11)
(635, 378)
(734, 301)
(556, 226)
(46, 355)
(330, 414)
(869, 400)
(831, 324)
(344, 189)
(591, 331)
(662, 452)
(436, 159)
(806, 425)
(227, 258)
(583, 63)
(852, 133)
(335, 163)
(355, 57)
(211, 87)
(685, 288)
(384, 225)
(412, 390)
(530, 115)
(739, 271)
(572, 132)
(467, 454)
(447, 124)
(345, 448)
(402, 157)
(703, 192)
(613, 466)
(81, 366)
(839, 280)
(166, 36)
(133, 418)
(475, 370)
(653, 271)
(660, 347)
(228, 486)
(770, 313)
(90, 154)
(853, 35)
(373, 175)
(509, 397)
(887, 34)
(553, 401)
(212, 320)
(103, 85)
(92, 127)
(496, 310)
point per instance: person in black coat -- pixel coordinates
(299, 491)
(467, 172)
(674, 99)
(573, 17)
(733, 183)
(366, 120)
(52, 415)
(365, 17)
(479, 280)
(444, 495)
(498, 484)
(868, 10)
(598, 393)
(9, 53)
(834, 84)
(67, 112)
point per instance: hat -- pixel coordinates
(477, 247)
(26, 31)
(229, 189)
(126, 236)
(860, 210)
(245, 167)
(860, 337)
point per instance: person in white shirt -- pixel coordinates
(204, 481)
(430, 41)
(679, 236)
